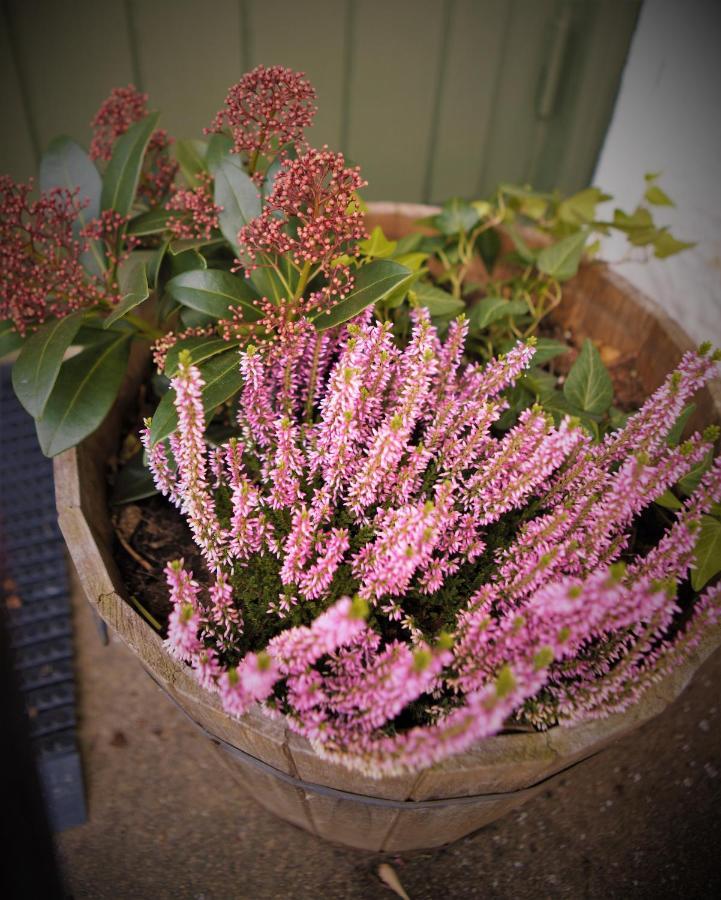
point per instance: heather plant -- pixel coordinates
(398, 579)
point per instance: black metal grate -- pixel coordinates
(36, 597)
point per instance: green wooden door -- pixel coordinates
(432, 98)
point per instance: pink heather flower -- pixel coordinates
(198, 214)
(41, 273)
(184, 621)
(269, 108)
(295, 649)
(375, 471)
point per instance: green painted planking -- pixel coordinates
(71, 54)
(432, 98)
(311, 40)
(472, 59)
(206, 59)
(17, 150)
(395, 67)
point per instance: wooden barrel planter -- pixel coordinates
(279, 769)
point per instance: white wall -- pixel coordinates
(668, 118)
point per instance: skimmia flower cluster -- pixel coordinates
(267, 112)
(396, 579)
(124, 107)
(196, 215)
(40, 256)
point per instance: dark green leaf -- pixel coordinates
(85, 390)
(373, 283)
(219, 146)
(135, 291)
(491, 309)
(674, 436)
(588, 385)
(38, 364)
(154, 221)
(456, 216)
(10, 340)
(134, 481)
(199, 348)
(236, 193)
(222, 379)
(548, 349)
(191, 159)
(562, 259)
(121, 177)
(66, 165)
(436, 301)
(688, 484)
(187, 261)
(708, 553)
(668, 500)
(191, 318)
(488, 244)
(214, 292)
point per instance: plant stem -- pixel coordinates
(144, 327)
(302, 281)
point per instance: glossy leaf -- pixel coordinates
(235, 192)
(436, 301)
(39, 362)
(588, 385)
(135, 291)
(198, 348)
(190, 155)
(491, 309)
(154, 221)
(562, 259)
(373, 283)
(707, 553)
(121, 177)
(222, 379)
(10, 340)
(65, 164)
(548, 349)
(214, 292)
(85, 390)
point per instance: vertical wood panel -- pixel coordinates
(308, 37)
(17, 150)
(472, 62)
(72, 54)
(396, 64)
(189, 55)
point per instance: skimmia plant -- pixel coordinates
(397, 580)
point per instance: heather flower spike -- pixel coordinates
(382, 512)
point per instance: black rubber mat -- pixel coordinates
(36, 598)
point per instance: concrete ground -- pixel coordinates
(642, 819)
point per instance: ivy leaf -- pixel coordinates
(665, 245)
(10, 339)
(580, 209)
(373, 283)
(199, 349)
(562, 259)
(436, 301)
(488, 245)
(136, 290)
(588, 385)
(222, 380)
(377, 245)
(456, 216)
(548, 349)
(121, 177)
(86, 387)
(657, 197)
(215, 292)
(36, 368)
(707, 553)
(491, 309)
